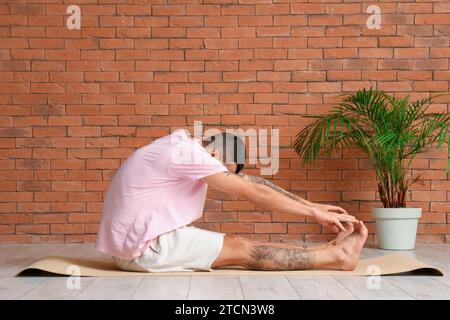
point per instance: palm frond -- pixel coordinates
(387, 128)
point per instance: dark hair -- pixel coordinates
(231, 143)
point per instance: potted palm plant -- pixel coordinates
(391, 131)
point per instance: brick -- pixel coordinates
(203, 33)
(426, 195)
(307, 8)
(33, 229)
(7, 229)
(284, 20)
(329, 42)
(256, 65)
(238, 32)
(222, 21)
(220, 216)
(231, 227)
(431, 86)
(254, 217)
(303, 228)
(262, 9)
(15, 132)
(18, 218)
(253, 20)
(220, 44)
(270, 228)
(271, 97)
(405, 53)
(396, 42)
(415, 30)
(223, 87)
(325, 20)
(285, 217)
(323, 196)
(437, 18)
(324, 175)
(67, 228)
(236, 98)
(358, 195)
(351, 8)
(237, 10)
(235, 54)
(439, 52)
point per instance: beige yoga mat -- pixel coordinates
(383, 265)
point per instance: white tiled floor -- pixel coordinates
(15, 256)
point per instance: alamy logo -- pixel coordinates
(257, 143)
(74, 281)
(74, 20)
(374, 280)
(374, 21)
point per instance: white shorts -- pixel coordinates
(182, 249)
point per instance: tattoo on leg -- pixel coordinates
(267, 257)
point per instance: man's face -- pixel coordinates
(230, 166)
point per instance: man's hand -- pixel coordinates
(332, 220)
(329, 208)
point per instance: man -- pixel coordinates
(161, 188)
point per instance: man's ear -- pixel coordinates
(215, 153)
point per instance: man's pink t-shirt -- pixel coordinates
(156, 190)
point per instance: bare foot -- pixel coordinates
(349, 229)
(349, 250)
(340, 236)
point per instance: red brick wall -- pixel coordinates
(75, 103)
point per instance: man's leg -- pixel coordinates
(275, 256)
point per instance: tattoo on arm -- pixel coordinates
(271, 185)
(266, 257)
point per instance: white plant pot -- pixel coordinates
(396, 227)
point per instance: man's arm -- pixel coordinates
(268, 198)
(266, 182)
(260, 194)
(320, 206)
